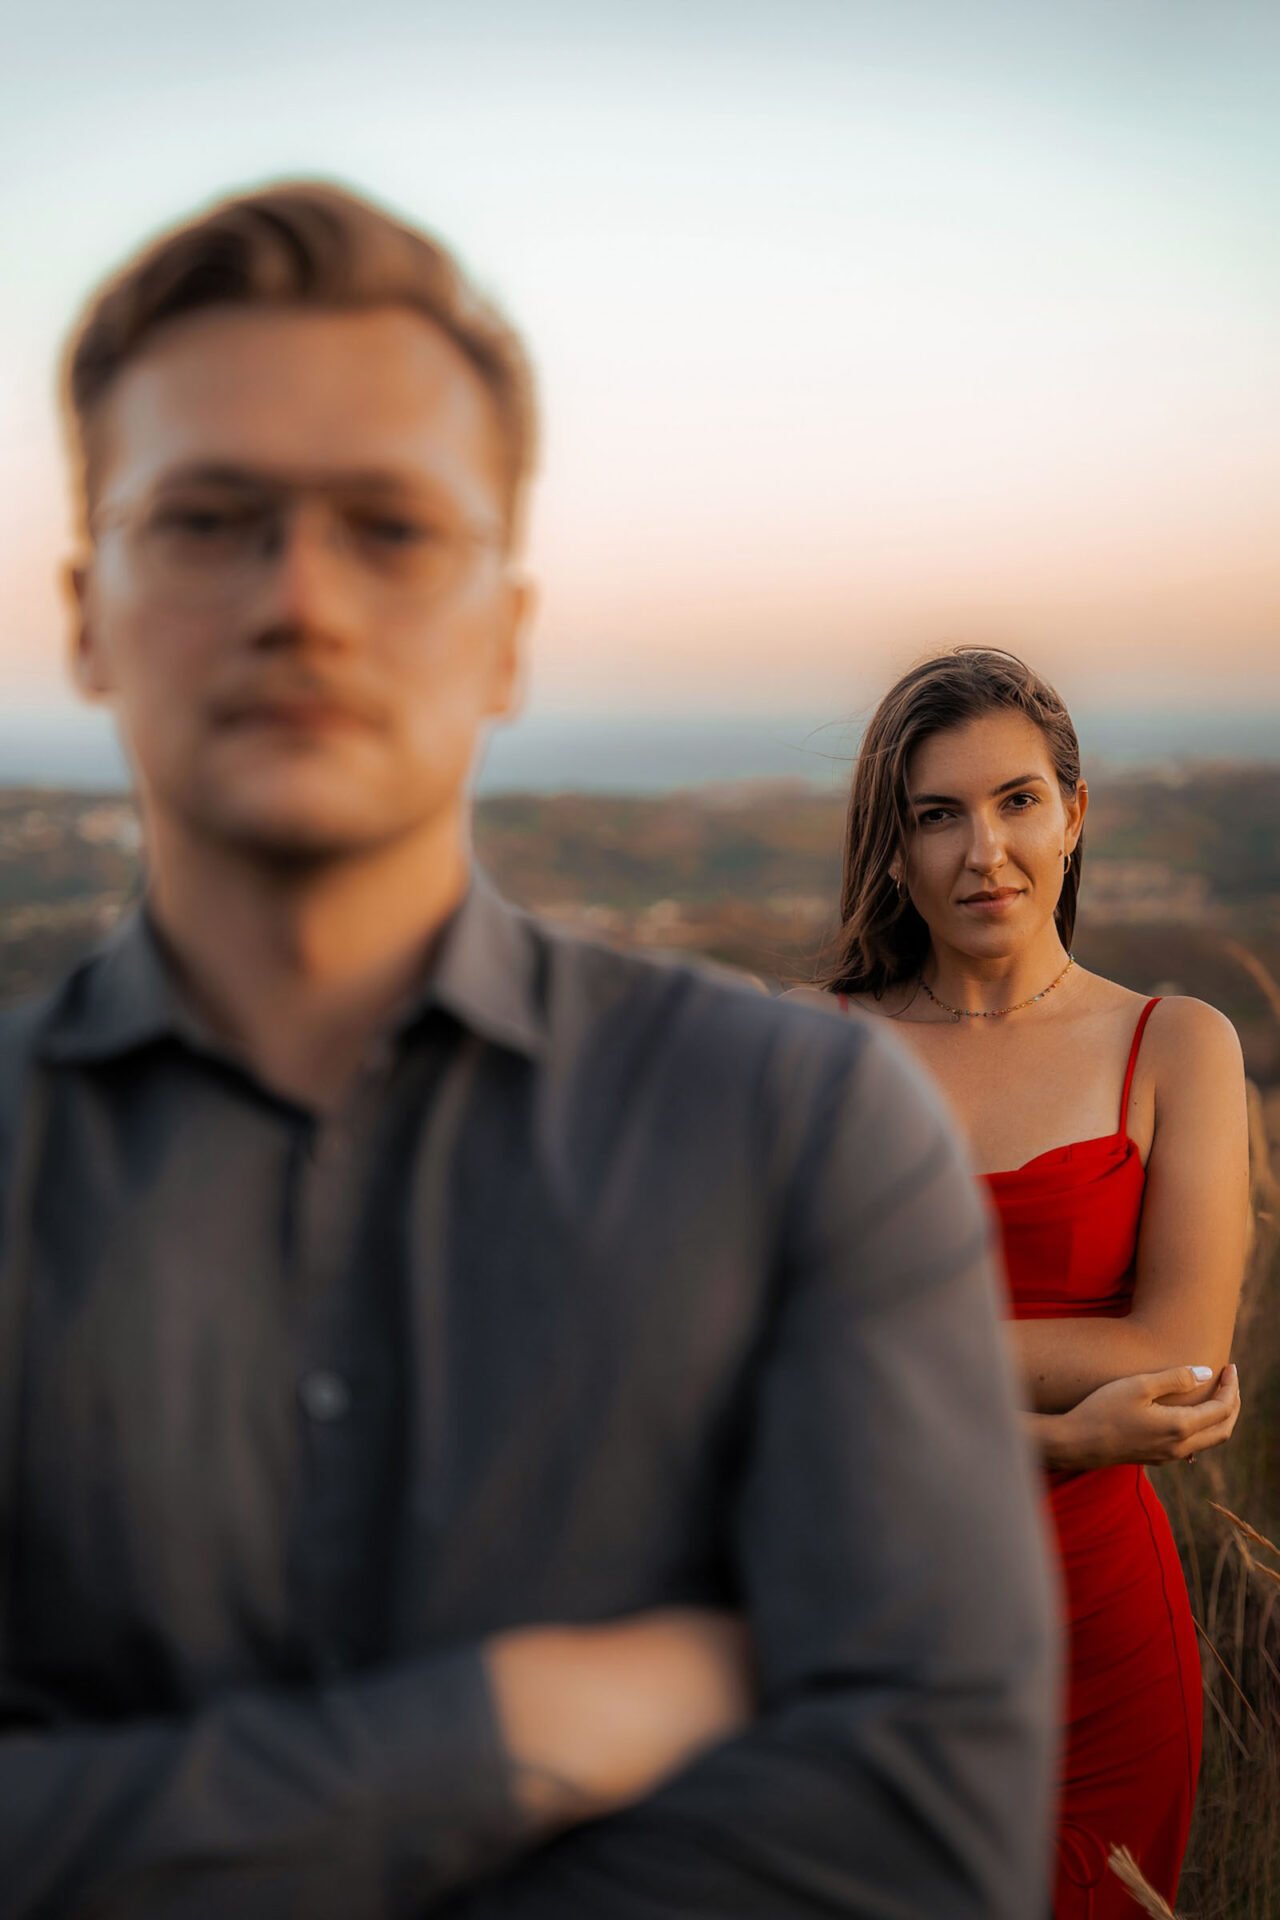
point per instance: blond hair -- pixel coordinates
(302, 244)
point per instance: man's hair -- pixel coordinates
(308, 245)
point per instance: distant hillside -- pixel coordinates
(1176, 870)
(777, 836)
(1223, 823)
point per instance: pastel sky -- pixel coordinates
(860, 326)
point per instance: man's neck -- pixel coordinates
(298, 970)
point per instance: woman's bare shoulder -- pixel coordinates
(1095, 993)
(1177, 1021)
(1194, 1066)
(1185, 1032)
(1186, 1042)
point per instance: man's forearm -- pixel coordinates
(853, 1802)
(375, 1798)
(891, 1557)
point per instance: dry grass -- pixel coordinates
(1226, 1517)
(1125, 1868)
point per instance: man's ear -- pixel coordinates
(507, 683)
(88, 668)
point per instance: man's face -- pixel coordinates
(298, 599)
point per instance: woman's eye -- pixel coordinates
(932, 816)
(1030, 799)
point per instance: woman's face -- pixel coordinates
(988, 830)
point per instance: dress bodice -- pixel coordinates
(1069, 1219)
(1069, 1228)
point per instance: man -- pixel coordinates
(425, 1332)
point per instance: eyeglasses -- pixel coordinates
(207, 543)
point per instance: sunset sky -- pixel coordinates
(860, 327)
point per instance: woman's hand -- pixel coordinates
(1124, 1421)
(596, 1717)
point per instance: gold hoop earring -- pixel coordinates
(1067, 862)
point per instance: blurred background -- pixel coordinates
(861, 329)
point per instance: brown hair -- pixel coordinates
(301, 244)
(882, 941)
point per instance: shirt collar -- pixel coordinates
(485, 972)
(122, 998)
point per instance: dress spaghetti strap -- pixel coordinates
(1138, 1032)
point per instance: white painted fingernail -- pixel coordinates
(1203, 1373)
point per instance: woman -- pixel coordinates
(1111, 1135)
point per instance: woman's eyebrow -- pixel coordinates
(949, 799)
(1022, 780)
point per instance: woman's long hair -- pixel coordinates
(882, 942)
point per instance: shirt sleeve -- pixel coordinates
(892, 1565)
(370, 1798)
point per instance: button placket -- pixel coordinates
(324, 1389)
(325, 1395)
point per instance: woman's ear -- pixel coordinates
(1077, 807)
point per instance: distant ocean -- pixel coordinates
(608, 753)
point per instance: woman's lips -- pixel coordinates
(990, 906)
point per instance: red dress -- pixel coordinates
(1069, 1223)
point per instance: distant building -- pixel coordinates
(1133, 891)
(114, 824)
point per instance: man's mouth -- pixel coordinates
(304, 712)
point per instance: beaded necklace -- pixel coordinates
(997, 1013)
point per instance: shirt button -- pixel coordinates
(379, 1059)
(324, 1395)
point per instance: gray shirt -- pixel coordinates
(611, 1286)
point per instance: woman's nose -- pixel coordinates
(986, 846)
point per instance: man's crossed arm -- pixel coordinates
(891, 1551)
(893, 1578)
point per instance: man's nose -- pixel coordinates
(306, 579)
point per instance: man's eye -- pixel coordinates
(396, 530)
(203, 522)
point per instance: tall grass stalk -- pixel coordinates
(1226, 1517)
